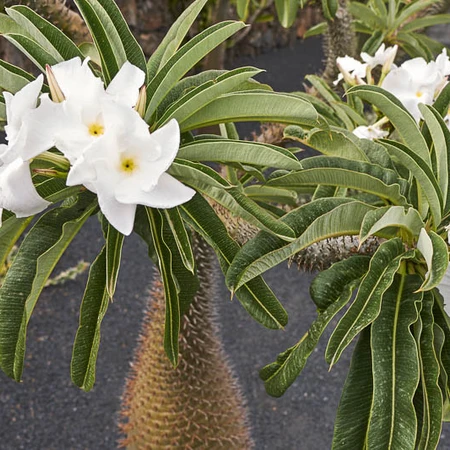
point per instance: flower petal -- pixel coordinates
(124, 88)
(17, 192)
(168, 193)
(77, 81)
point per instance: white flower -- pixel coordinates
(443, 63)
(414, 82)
(371, 132)
(352, 70)
(383, 57)
(126, 168)
(17, 192)
(79, 120)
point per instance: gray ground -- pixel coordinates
(46, 412)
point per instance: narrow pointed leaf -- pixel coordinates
(366, 306)
(334, 171)
(329, 288)
(13, 78)
(286, 11)
(395, 368)
(33, 264)
(408, 220)
(186, 58)
(254, 106)
(352, 418)
(429, 364)
(181, 237)
(312, 223)
(256, 297)
(435, 251)
(87, 340)
(114, 244)
(49, 37)
(423, 174)
(399, 117)
(199, 97)
(174, 37)
(244, 152)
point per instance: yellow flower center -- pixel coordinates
(128, 165)
(96, 129)
(419, 94)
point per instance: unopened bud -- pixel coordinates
(141, 101)
(390, 60)
(55, 91)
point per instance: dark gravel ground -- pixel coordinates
(46, 412)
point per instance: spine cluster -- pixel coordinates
(196, 405)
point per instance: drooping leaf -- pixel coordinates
(114, 244)
(244, 152)
(13, 78)
(408, 220)
(366, 306)
(33, 264)
(87, 340)
(312, 223)
(435, 251)
(395, 367)
(254, 106)
(329, 289)
(256, 297)
(286, 11)
(335, 171)
(352, 418)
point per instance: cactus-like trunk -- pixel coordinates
(198, 404)
(339, 40)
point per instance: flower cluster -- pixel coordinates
(108, 145)
(415, 81)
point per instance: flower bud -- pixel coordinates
(55, 91)
(141, 101)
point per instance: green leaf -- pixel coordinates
(441, 139)
(269, 194)
(335, 143)
(410, 10)
(395, 367)
(207, 181)
(366, 307)
(254, 106)
(332, 288)
(199, 97)
(331, 283)
(181, 237)
(174, 37)
(399, 117)
(173, 314)
(429, 366)
(13, 78)
(35, 260)
(186, 281)
(32, 50)
(435, 251)
(10, 231)
(366, 15)
(244, 152)
(312, 223)
(408, 220)
(316, 30)
(423, 174)
(87, 340)
(286, 12)
(255, 297)
(242, 8)
(335, 171)
(329, 8)
(186, 58)
(352, 418)
(114, 244)
(49, 37)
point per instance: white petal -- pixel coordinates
(17, 192)
(444, 289)
(119, 215)
(77, 81)
(124, 88)
(168, 193)
(40, 128)
(18, 106)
